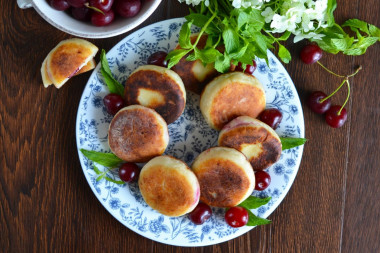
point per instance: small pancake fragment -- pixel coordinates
(137, 134)
(255, 139)
(169, 186)
(158, 88)
(232, 95)
(225, 176)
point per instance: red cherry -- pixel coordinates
(113, 103)
(314, 103)
(77, 3)
(236, 216)
(129, 172)
(102, 19)
(262, 180)
(200, 214)
(158, 59)
(334, 119)
(81, 13)
(128, 8)
(103, 5)
(249, 69)
(311, 54)
(272, 117)
(60, 5)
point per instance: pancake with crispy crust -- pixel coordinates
(169, 186)
(193, 73)
(232, 95)
(225, 176)
(255, 139)
(137, 134)
(67, 58)
(158, 88)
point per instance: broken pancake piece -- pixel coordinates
(232, 95)
(255, 139)
(158, 88)
(137, 134)
(194, 74)
(225, 176)
(45, 77)
(66, 60)
(169, 186)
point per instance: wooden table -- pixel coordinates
(47, 205)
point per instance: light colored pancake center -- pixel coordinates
(150, 98)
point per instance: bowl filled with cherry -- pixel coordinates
(93, 18)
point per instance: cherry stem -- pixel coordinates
(332, 94)
(348, 96)
(357, 70)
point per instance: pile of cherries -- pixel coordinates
(129, 172)
(99, 12)
(318, 101)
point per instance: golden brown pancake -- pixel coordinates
(158, 88)
(67, 58)
(137, 134)
(169, 186)
(232, 95)
(225, 176)
(193, 73)
(255, 139)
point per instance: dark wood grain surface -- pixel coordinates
(46, 204)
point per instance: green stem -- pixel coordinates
(332, 94)
(358, 69)
(348, 96)
(204, 29)
(320, 64)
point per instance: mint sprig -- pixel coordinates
(106, 160)
(113, 85)
(290, 142)
(253, 202)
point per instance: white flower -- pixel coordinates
(268, 13)
(194, 2)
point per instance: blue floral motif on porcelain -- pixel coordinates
(189, 136)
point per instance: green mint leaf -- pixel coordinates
(248, 55)
(105, 159)
(200, 20)
(253, 220)
(100, 177)
(207, 55)
(285, 36)
(113, 85)
(253, 202)
(184, 35)
(191, 57)
(284, 54)
(361, 46)
(331, 6)
(114, 181)
(289, 142)
(97, 171)
(242, 19)
(175, 56)
(223, 63)
(342, 44)
(374, 31)
(231, 40)
(361, 25)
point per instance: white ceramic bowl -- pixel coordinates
(68, 24)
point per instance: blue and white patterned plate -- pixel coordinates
(189, 136)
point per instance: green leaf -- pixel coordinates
(361, 46)
(342, 44)
(331, 6)
(97, 171)
(285, 36)
(105, 159)
(253, 202)
(231, 40)
(248, 55)
(289, 142)
(253, 220)
(223, 63)
(113, 85)
(100, 177)
(184, 35)
(175, 56)
(374, 31)
(207, 55)
(284, 54)
(200, 20)
(361, 25)
(114, 181)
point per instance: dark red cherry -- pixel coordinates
(77, 3)
(102, 19)
(158, 59)
(200, 214)
(113, 103)
(236, 216)
(272, 117)
(81, 13)
(315, 104)
(127, 8)
(249, 69)
(103, 5)
(333, 118)
(60, 5)
(129, 172)
(311, 54)
(262, 180)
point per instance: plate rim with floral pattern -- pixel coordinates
(189, 135)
